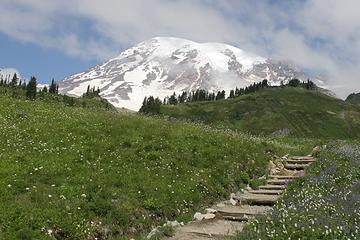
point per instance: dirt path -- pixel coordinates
(229, 217)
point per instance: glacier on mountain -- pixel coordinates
(161, 66)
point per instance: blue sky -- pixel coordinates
(58, 38)
(32, 60)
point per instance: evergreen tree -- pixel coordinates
(166, 100)
(232, 94)
(151, 105)
(173, 99)
(237, 92)
(144, 106)
(45, 90)
(14, 80)
(31, 89)
(52, 87)
(183, 97)
(294, 82)
(220, 95)
(264, 83)
(87, 91)
(310, 85)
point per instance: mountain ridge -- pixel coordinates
(161, 66)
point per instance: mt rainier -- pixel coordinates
(161, 66)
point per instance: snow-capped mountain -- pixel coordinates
(161, 66)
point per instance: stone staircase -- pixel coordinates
(228, 218)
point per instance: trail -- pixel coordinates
(229, 217)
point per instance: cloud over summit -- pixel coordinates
(320, 35)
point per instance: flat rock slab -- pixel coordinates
(296, 172)
(296, 166)
(267, 191)
(304, 161)
(242, 209)
(207, 229)
(273, 187)
(278, 181)
(257, 199)
(188, 236)
(302, 158)
(284, 176)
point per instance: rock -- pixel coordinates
(209, 216)
(233, 201)
(271, 165)
(248, 188)
(281, 132)
(221, 204)
(279, 165)
(172, 223)
(152, 233)
(199, 216)
(316, 151)
(210, 210)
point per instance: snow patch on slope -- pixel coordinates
(161, 66)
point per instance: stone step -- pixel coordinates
(278, 181)
(241, 212)
(284, 176)
(208, 229)
(188, 236)
(301, 157)
(293, 161)
(296, 166)
(266, 191)
(273, 187)
(257, 199)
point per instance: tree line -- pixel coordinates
(151, 105)
(16, 83)
(91, 92)
(31, 90)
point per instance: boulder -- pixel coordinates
(199, 216)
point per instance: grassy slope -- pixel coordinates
(63, 170)
(324, 205)
(304, 113)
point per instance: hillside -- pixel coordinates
(276, 112)
(83, 173)
(354, 98)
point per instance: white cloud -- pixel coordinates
(316, 34)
